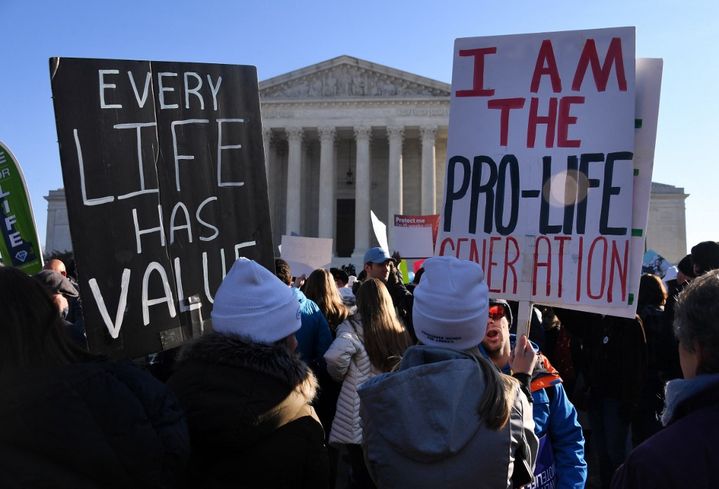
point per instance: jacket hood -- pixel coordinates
(439, 391)
(237, 393)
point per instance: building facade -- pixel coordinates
(345, 137)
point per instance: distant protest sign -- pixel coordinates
(20, 246)
(414, 236)
(164, 177)
(540, 165)
(305, 255)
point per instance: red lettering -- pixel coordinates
(478, 89)
(546, 65)
(565, 120)
(510, 264)
(545, 264)
(505, 105)
(459, 245)
(445, 242)
(580, 258)
(561, 240)
(534, 119)
(603, 267)
(473, 251)
(492, 239)
(622, 271)
(601, 73)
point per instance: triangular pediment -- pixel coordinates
(346, 77)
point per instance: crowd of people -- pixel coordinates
(334, 381)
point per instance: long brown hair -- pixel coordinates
(320, 287)
(385, 338)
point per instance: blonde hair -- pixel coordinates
(385, 338)
(320, 287)
(500, 392)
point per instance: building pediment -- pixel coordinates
(346, 77)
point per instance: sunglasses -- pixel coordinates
(496, 312)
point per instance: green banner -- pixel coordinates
(19, 246)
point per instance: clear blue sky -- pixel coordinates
(281, 35)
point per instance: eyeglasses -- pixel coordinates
(496, 312)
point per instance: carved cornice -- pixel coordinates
(429, 108)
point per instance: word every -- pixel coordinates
(168, 87)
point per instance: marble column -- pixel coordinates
(429, 183)
(362, 191)
(394, 177)
(294, 180)
(326, 218)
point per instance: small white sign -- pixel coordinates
(305, 255)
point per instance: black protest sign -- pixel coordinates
(165, 185)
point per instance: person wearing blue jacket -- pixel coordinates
(560, 462)
(314, 337)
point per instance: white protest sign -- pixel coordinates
(413, 236)
(305, 255)
(648, 86)
(540, 171)
(380, 231)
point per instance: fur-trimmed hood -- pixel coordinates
(272, 360)
(237, 393)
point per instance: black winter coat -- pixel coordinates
(683, 454)
(251, 423)
(90, 425)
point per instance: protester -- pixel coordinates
(74, 313)
(446, 417)
(247, 393)
(561, 443)
(314, 336)
(380, 265)
(684, 454)
(369, 342)
(615, 356)
(344, 283)
(661, 354)
(64, 294)
(320, 287)
(69, 419)
(705, 257)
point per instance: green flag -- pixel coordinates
(20, 246)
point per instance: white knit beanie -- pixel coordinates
(451, 303)
(254, 304)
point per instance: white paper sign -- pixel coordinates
(305, 255)
(413, 236)
(380, 231)
(540, 170)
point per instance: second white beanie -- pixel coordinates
(451, 303)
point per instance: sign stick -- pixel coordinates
(524, 315)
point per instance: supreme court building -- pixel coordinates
(347, 136)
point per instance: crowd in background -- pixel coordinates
(337, 380)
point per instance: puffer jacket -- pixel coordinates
(422, 428)
(348, 362)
